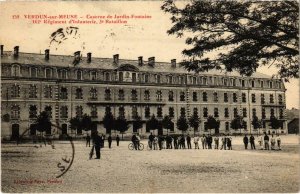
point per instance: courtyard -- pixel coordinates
(31, 168)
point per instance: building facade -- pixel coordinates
(69, 86)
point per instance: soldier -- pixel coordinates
(88, 140)
(118, 140)
(252, 142)
(245, 140)
(109, 139)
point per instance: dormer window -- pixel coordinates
(48, 73)
(33, 72)
(15, 71)
(79, 75)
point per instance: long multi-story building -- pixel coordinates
(69, 86)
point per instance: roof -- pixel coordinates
(108, 63)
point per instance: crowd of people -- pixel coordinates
(264, 142)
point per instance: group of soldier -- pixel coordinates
(263, 141)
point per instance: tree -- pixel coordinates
(182, 124)
(275, 123)
(194, 122)
(167, 123)
(152, 123)
(256, 123)
(121, 125)
(137, 123)
(75, 124)
(238, 123)
(43, 123)
(242, 35)
(108, 122)
(86, 122)
(212, 123)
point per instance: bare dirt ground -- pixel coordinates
(26, 168)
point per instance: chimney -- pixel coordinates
(16, 51)
(89, 57)
(47, 51)
(116, 59)
(77, 58)
(2, 50)
(140, 60)
(173, 63)
(151, 61)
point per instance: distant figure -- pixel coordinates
(245, 140)
(188, 141)
(209, 141)
(175, 142)
(223, 141)
(109, 139)
(278, 142)
(266, 141)
(252, 142)
(164, 143)
(273, 142)
(134, 142)
(103, 140)
(138, 140)
(88, 140)
(150, 140)
(183, 141)
(216, 140)
(160, 139)
(97, 143)
(203, 141)
(196, 142)
(155, 143)
(260, 142)
(229, 143)
(118, 140)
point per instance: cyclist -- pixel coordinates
(138, 139)
(134, 141)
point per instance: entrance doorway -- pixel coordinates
(15, 131)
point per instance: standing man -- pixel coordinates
(109, 139)
(216, 139)
(203, 140)
(252, 142)
(118, 140)
(266, 140)
(97, 143)
(134, 141)
(88, 140)
(245, 140)
(188, 140)
(209, 141)
(175, 142)
(150, 140)
(196, 141)
(278, 142)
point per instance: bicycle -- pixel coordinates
(131, 146)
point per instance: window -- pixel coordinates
(243, 83)
(48, 110)
(270, 84)
(120, 76)
(78, 94)
(63, 93)
(216, 112)
(107, 110)
(205, 112)
(262, 99)
(133, 77)
(226, 113)
(147, 112)
(171, 96)
(33, 72)
(182, 96)
(79, 75)
(15, 112)
(195, 97)
(234, 82)
(235, 112)
(271, 98)
(204, 81)
(252, 83)
(107, 94)
(32, 111)
(182, 112)
(225, 97)
(134, 112)
(253, 112)
(158, 79)
(121, 95)
(195, 111)
(204, 97)
(159, 112)
(170, 79)
(93, 75)
(171, 112)
(280, 99)
(62, 74)
(134, 95)
(146, 95)
(15, 71)
(281, 113)
(121, 112)
(225, 82)
(272, 113)
(253, 98)
(243, 97)
(216, 97)
(234, 97)
(159, 95)
(146, 78)
(93, 93)
(64, 112)
(32, 91)
(181, 80)
(79, 111)
(48, 73)
(263, 113)
(194, 80)
(107, 76)
(94, 112)
(48, 91)
(244, 112)
(15, 91)
(226, 126)
(261, 84)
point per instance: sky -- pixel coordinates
(138, 37)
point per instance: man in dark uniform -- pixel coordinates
(151, 139)
(97, 143)
(188, 140)
(118, 140)
(252, 143)
(175, 141)
(88, 140)
(109, 139)
(245, 140)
